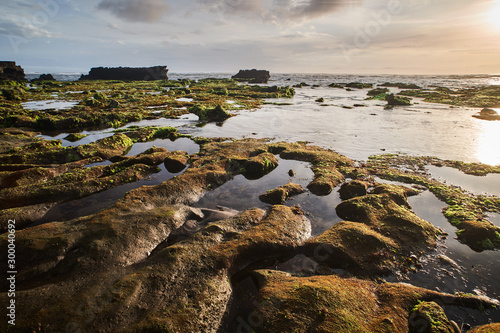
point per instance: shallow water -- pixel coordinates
(489, 184)
(98, 201)
(183, 144)
(242, 194)
(49, 104)
(421, 129)
(477, 272)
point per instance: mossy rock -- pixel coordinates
(490, 328)
(479, 235)
(74, 137)
(177, 162)
(429, 317)
(391, 219)
(352, 189)
(335, 304)
(359, 85)
(378, 91)
(281, 194)
(396, 100)
(210, 114)
(258, 166)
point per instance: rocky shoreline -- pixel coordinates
(153, 262)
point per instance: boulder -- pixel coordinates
(252, 76)
(127, 73)
(10, 71)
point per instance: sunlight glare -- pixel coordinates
(494, 14)
(488, 150)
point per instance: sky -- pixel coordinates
(283, 36)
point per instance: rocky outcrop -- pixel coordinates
(252, 76)
(127, 73)
(10, 71)
(331, 303)
(487, 114)
(44, 77)
(395, 100)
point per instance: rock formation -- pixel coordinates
(10, 71)
(253, 76)
(44, 77)
(127, 73)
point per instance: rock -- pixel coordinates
(10, 71)
(378, 91)
(336, 85)
(377, 237)
(44, 77)
(490, 328)
(326, 165)
(330, 303)
(258, 166)
(487, 114)
(279, 195)
(177, 162)
(479, 235)
(401, 85)
(320, 100)
(217, 114)
(395, 100)
(359, 85)
(428, 317)
(73, 137)
(127, 73)
(252, 76)
(291, 173)
(352, 189)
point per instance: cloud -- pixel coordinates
(276, 11)
(309, 9)
(22, 27)
(135, 10)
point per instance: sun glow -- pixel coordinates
(494, 14)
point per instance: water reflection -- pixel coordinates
(488, 147)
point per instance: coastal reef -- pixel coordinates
(116, 233)
(153, 261)
(106, 104)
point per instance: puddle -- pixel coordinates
(184, 99)
(103, 163)
(92, 136)
(489, 184)
(49, 104)
(183, 144)
(242, 194)
(98, 201)
(475, 271)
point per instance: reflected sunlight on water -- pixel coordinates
(488, 148)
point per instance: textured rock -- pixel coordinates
(10, 71)
(253, 76)
(127, 73)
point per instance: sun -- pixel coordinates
(494, 14)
